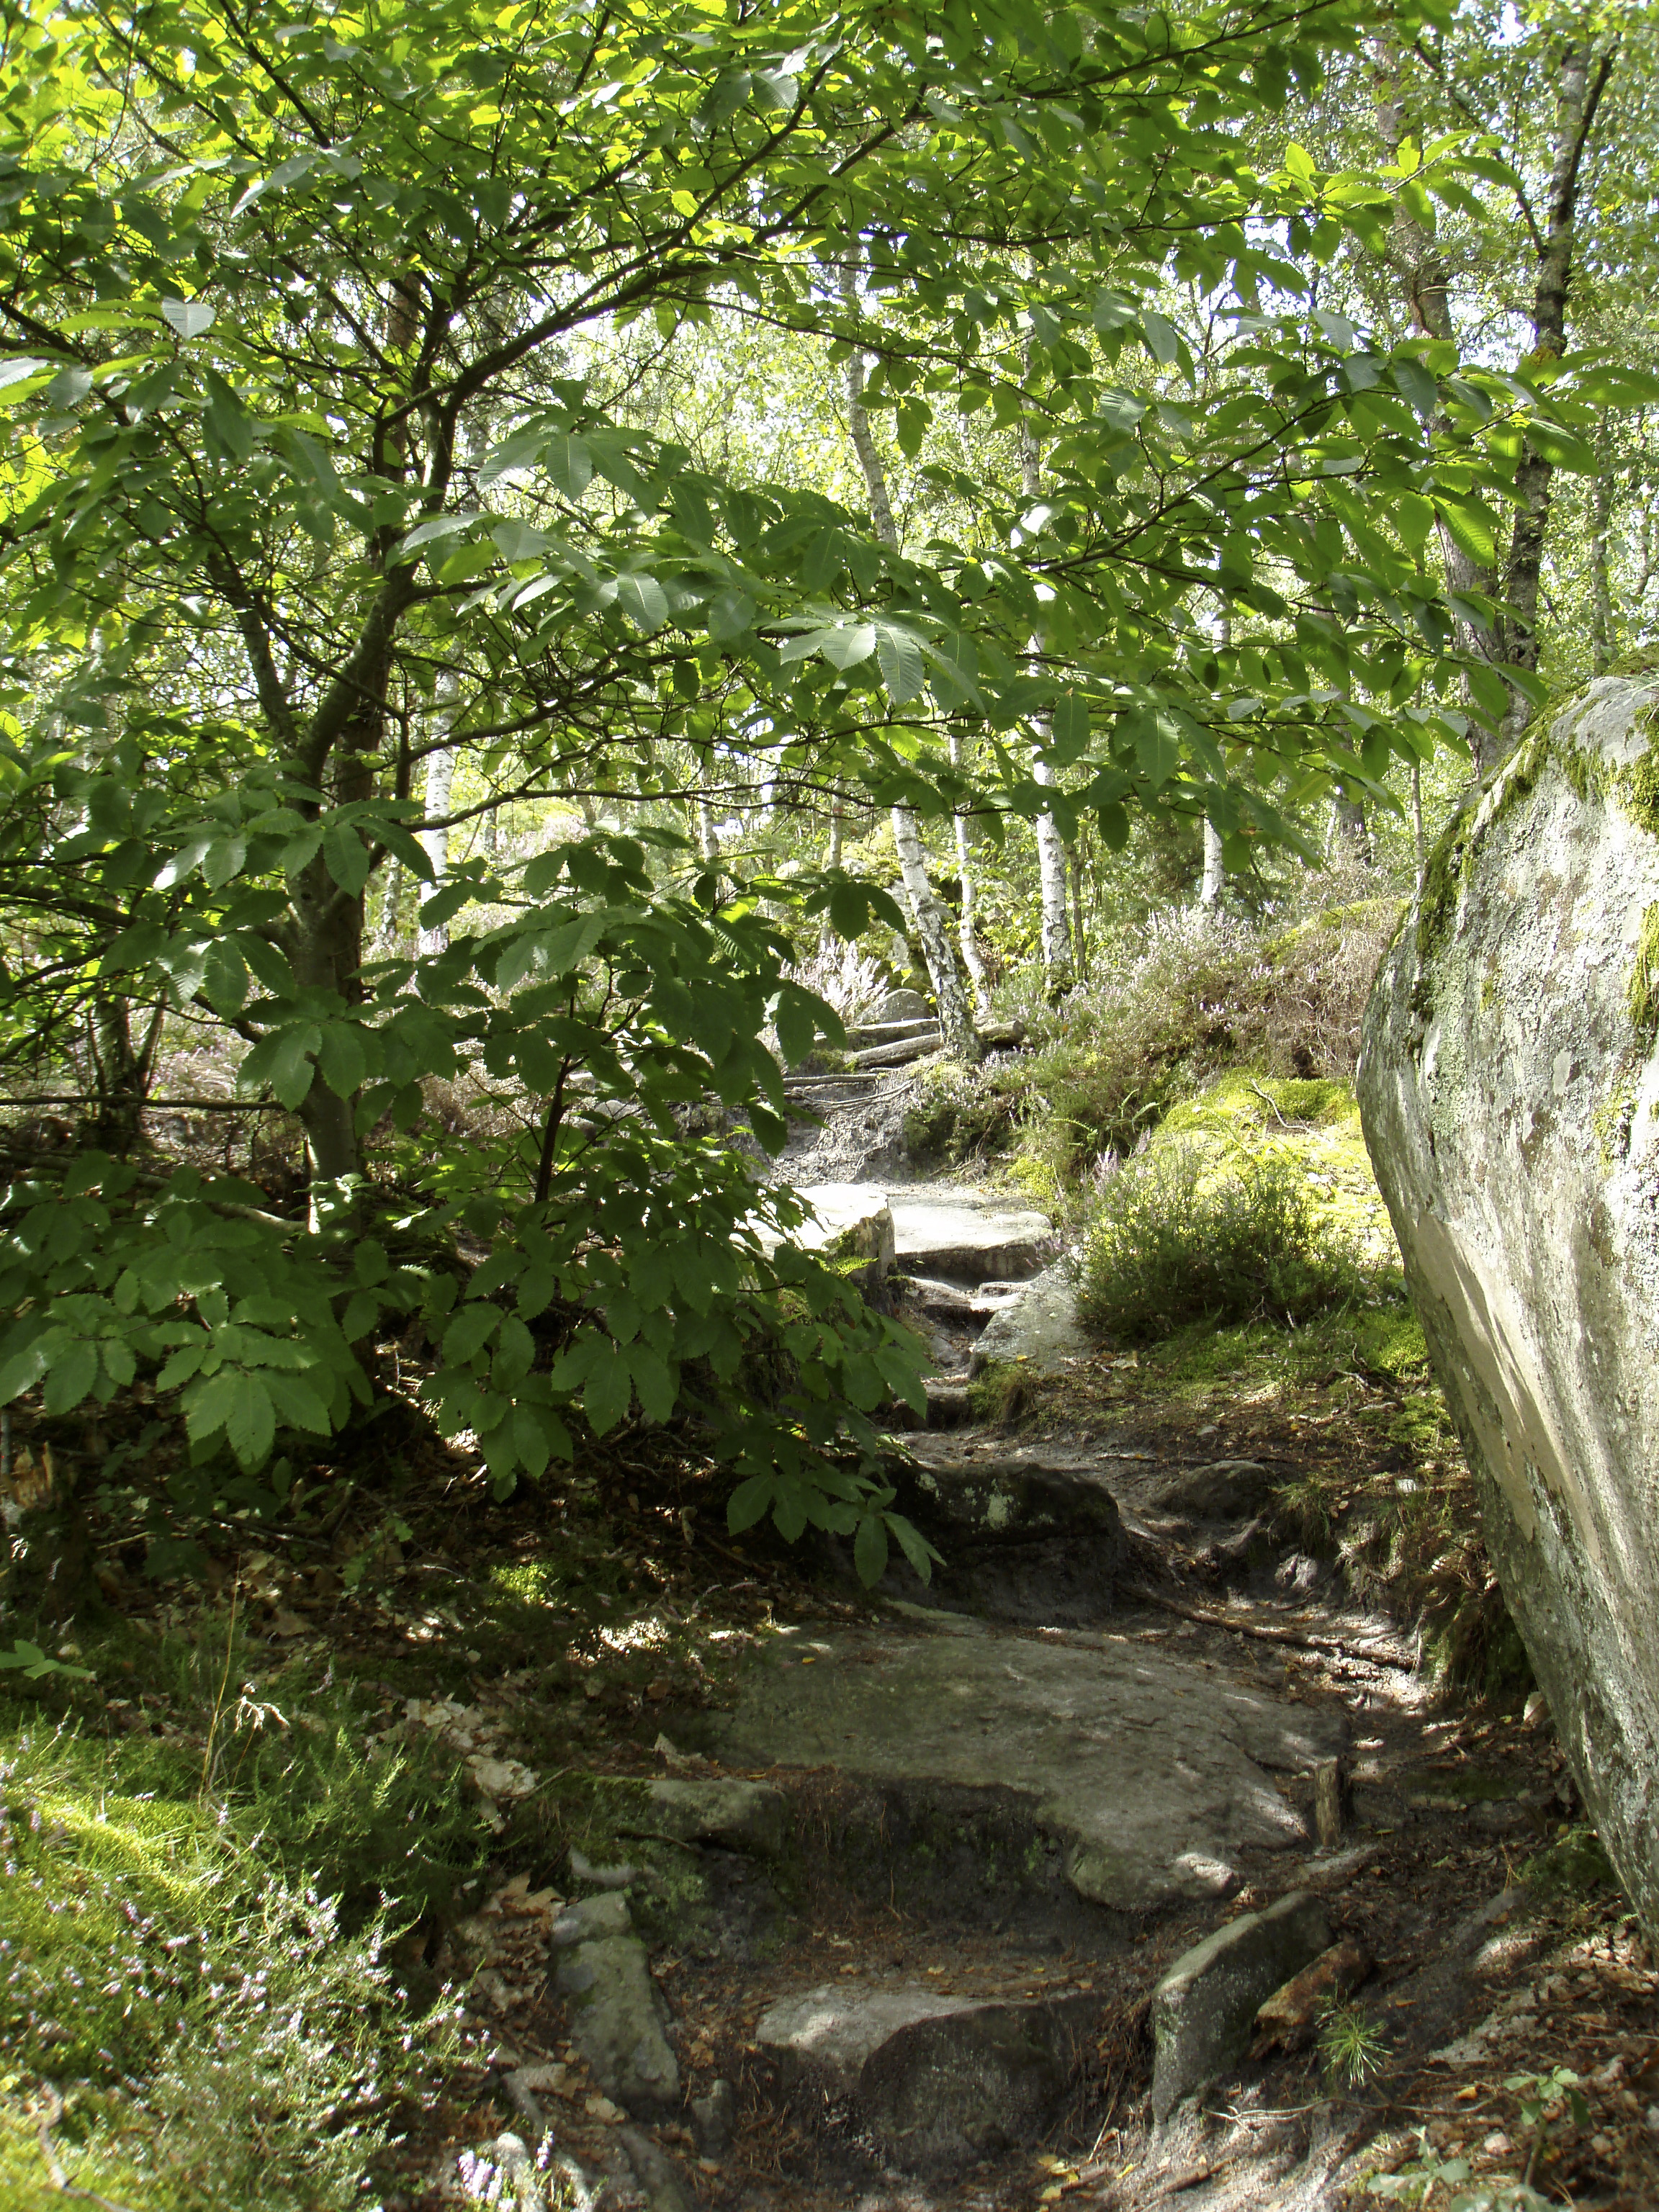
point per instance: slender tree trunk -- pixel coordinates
(1079, 938)
(927, 908)
(121, 1073)
(837, 826)
(967, 936)
(1210, 884)
(1603, 644)
(1350, 831)
(1580, 82)
(1058, 967)
(440, 784)
(708, 840)
(1426, 282)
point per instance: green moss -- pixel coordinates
(1637, 786)
(1641, 991)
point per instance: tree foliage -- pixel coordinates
(316, 466)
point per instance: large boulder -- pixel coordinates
(1509, 1091)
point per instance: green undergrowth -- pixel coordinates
(1203, 996)
(237, 1837)
(200, 2021)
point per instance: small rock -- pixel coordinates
(1203, 2008)
(1224, 1490)
(903, 1006)
(743, 1816)
(1497, 2144)
(1535, 1713)
(654, 2172)
(715, 2118)
(594, 1916)
(1040, 1327)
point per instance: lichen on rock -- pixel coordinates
(1509, 1090)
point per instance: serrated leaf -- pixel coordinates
(607, 1392)
(469, 1331)
(655, 1381)
(748, 1503)
(902, 669)
(343, 1056)
(252, 1428)
(844, 646)
(569, 463)
(300, 1404)
(869, 1550)
(73, 1372)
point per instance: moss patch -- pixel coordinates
(1641, 991)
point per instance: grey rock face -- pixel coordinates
(617, 2015)
(1149, 1773)
(1204, 2009)
(1509, 1091)
(1026, 1534)
(1039, 1329)
(904, 1006)
(937, 2080)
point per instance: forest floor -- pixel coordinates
(434, 1695)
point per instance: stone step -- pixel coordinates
(957, 1233)
(935, 2081)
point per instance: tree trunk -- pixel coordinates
(1210, 884)
(927, 908)
(1426, 281)
(1602, 642)
(1350, 831)
(1058, 968)
(440, 783)
(966, 935)
(708, 840)
(121, 1073)
(1580, 82)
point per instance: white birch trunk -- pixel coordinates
(440, 783)
(927, 908)
(1209, 890)
(966, 937)
(1059, 969)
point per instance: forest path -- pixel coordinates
(1128, 1714)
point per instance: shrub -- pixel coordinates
(1175, 1240)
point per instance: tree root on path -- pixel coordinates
(1267, 1632)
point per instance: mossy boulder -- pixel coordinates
(1509, 1090)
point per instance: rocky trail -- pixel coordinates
(1036, 1884)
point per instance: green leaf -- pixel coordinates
(748, 1503)
(569, 464)
(643, 599)
(230, 427)
(468, 1332)
(188, 319)
(73, 1372)
(252, 1425)
(869, 1550)
(343, 1056)
(607, 1391)
(1468, 527)
(902, 669)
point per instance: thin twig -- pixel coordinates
(60, 2181)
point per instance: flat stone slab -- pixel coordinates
(937, 2080)
(1039, 1330)
(939, 1230)
(1152, 1772)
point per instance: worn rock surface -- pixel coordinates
(616, 2016)
(1026, 1533)
(1510, 1089)
(942, 1232)
(937, 2080)
(1205, 2008)
(1153, 1783)
(1039, 1329)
